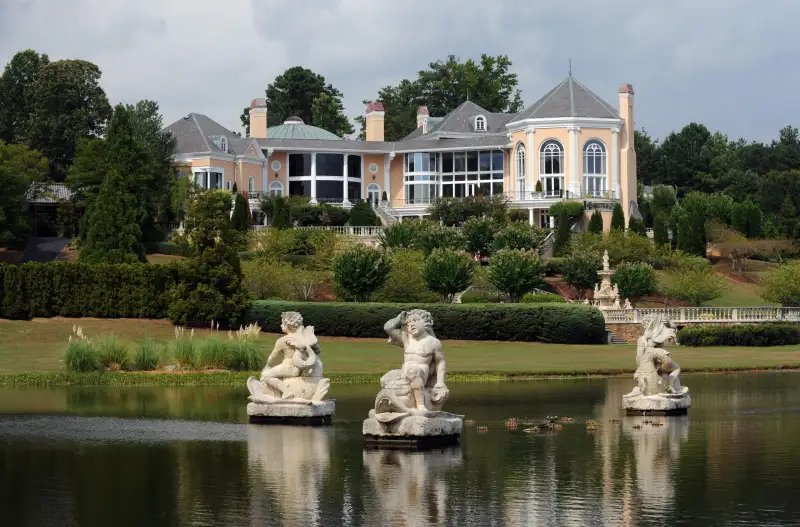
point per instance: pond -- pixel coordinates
(186, 456)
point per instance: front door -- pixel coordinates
(373, 194)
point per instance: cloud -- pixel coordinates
(725, 63)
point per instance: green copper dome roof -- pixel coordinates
(295, 128)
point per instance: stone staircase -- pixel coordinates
(614, 339)
(386, 213)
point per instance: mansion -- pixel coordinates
(570, 144)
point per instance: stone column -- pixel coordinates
(615, 162)
(530, 217)
(363, 180)
(552, 222)
(314, 178)
(574, 156)
(208, 178)
(439, 164)
(345, 201)
(530, 160)
(387, 175)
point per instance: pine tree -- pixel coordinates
(636, 226)
(596, 223)
(660, 231)
(788, 216)
(113, 235)
(241, 209)
(618, 218)
(563, 234)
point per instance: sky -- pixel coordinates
(729, 64)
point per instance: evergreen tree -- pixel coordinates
(660, 231)
(691, 234)
(788, 217)
(362, 215)
(636, 226)
(241, 209)
(596, 223)
(114, 235)
(617, 218)
(563, 234)
(235, 188)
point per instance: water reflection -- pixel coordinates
(409, 488)
(288, 466)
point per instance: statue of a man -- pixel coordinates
(656, 371)
(419, 386)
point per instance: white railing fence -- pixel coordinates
(351, 231)
(708, 315)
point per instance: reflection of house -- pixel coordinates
(44, 199)
(570, 144)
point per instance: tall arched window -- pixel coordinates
(223, 144)
(373, 193)
(276, 189)
(480, 123)
(595, 175)
(520, 170)
(251, 184)
(551, 167)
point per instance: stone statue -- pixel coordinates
(657, 374)
(628, 304)
(606, 265)
(293, 374)
(586, 302)
(411, 398)
(616, 303)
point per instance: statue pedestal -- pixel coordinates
(661, 404)
(437, 429)
(288, 412)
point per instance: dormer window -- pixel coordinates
(480, 123)
(223, 144)
(425, 126)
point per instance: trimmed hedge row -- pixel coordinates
(760, 335)
(77, 290)
(556, 323)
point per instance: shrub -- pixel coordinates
(306, 283)
(538, 187)
(695, 286)
(636, 226)
(660, 231)
(580, 271)
(516, 272)
(112, 353)
(268, 279)
(617, 218)
(519, 236)
(435, 236)
(542, 298)
(782, 285)
(479, 235)
(213, 353)
(555, 266)
(518, 216)
(81, 354)
(362, 215)
(402, 235)
(359, 272)
(406, 282)
(563, 324)
(760, 335)
(635, 280)
(148, 353)
(448, 272)
(243, 355)
(241, 211)
(596, 223)
(183, 350)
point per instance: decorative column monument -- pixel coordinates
(606, 296)
(291, 389)
(658, 390)
(408, 409)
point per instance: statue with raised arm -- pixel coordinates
(658, 388)
(416, 390)
(293, 373)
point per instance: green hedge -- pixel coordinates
(555, 266)
(542, 298)
(760, 335)
(563, 324)
(79, 290)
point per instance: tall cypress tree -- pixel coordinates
(596, 223)
(618, 218)
(241, 210)
(114, 235)
(660, 231)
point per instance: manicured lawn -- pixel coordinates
(38, 345)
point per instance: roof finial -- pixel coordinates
(570, 66)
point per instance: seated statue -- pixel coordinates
(418, 387)
(294, 369)
(656, 371)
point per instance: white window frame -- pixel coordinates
(521, 175)
(480, 123)
(595, 184)
(276, 189)
(251, 184)
(223, 144)
(552, 182)
(425, 125)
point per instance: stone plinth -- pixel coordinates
(292, 413)
(434, 430)
(661, 404)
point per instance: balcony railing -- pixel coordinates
(709, 315)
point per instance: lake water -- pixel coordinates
(186, 456)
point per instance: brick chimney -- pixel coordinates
(375, 121)
(258, 118)
(422, 114)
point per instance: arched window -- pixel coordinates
(251, 184)
(425, 126)
(551, 167)
(223, 144)
(276, 189)
(373, 193)
(480, 123)
(520, 170)
(594, 168)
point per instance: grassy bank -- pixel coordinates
(31, 354)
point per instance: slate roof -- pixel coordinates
(460, 121)
(48, 193)
(193, 133)
(492, 141)
(569, 98)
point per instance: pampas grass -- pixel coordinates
(147, 355)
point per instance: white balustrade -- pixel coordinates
(710, 315)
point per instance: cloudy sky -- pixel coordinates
(730, 64)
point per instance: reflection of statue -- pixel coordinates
(417, 389)
(657, 374)
(410, 487)
(292, 377)
(294, 369)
